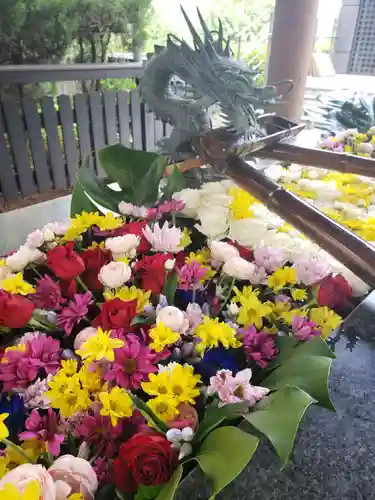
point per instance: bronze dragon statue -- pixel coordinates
(213, 77)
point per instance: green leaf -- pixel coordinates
(72, 444)
(278, 417)
(143, 407)
(309, 373)
(286, 346)
(98, 189)
(215, 416)
(148, 492)
(170, 287)
(176, 182)
(169, 490)
(138, 173)
(142, 320)
(224, 454)
(315, 347)
(80, 202)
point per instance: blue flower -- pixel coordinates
(218, 359)
(15, 407)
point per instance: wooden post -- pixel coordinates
(293, 34)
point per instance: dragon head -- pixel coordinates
(216, 77)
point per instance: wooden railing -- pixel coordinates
(43, 141)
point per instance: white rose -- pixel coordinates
(35, 239)
(121, 246)
(239, 268)
(173, 318)
(24, 256)
(114, 274)
(214, 222)
(365, 147)
(247, 232)
(191, 198)
(221, 252)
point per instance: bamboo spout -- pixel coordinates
(342, 244)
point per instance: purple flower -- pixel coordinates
(45, 429)
(34, 395)
(98, 431)
(48, 294)
(259, 347)
(190, 276)
(74, 312)
(310, 271)
(304, 329)
(270, 258)
(132, 365)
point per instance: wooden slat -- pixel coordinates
(83, 124)
(110, 115)
(53, 140)
(97, 126)
(149, 132)
(136, 118)
(17, 138)
(159, 131)
(124, 117)
(70, 143)
(37, 145)
(7, 175)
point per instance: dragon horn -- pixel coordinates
(209, 40)
(197, 39)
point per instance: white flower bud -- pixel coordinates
(114, 274)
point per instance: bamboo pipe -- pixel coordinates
(342, 244)
(340, 162)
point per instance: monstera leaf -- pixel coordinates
(137, 174)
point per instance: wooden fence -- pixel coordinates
(43, 141)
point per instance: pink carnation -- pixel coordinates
(45, 429)
(269, 257)
(190, 275)
(304, 329)
(259, 347)
(20, 367)
(311, 271)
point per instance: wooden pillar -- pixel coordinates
(293, 34)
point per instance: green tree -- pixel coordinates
(246, 22)
(35, 31)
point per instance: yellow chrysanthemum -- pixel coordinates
(124, 259)
(240, 206)
(162, 336)
(158, 384)
(67, 394)
(326, 319)
(32, 448)
(252, 310)
(165, 407)
(30, 492)
(282, 277)
(76, 496)
(80, 224)
(202, 256)
(69, 366)
(185, 238)
(116, 404)
(299, 294)
(91, 380)
(183, 383)
(4, 433)
(213, 332)
(108, 222)
(130, 293)
(16, 285)
(100, 346)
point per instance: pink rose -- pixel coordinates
(22, 475)
(73, 475)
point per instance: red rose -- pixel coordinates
(334, 292)
(15, 310)
(94, 260)
(137, 229)
(64, 262)
(116, 314)
(68, 288)
(151, 271)
(146, 459)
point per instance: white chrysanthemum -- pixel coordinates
(163, 239)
